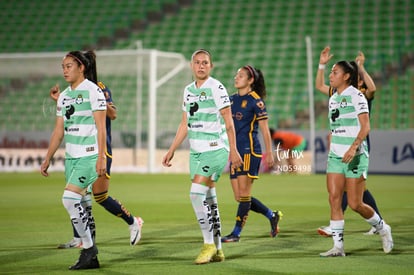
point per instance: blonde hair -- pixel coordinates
(200, 51)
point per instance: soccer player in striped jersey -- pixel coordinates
(249, 114)
(206, 120)
(101, 186)
(348, 156)
(367, 86)
(80, 121)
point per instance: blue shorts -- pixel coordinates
(208, 164)
(251, 167)
(355, 169)
(108, 165)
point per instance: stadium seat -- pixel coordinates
(269, 34)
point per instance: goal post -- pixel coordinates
(146, 84)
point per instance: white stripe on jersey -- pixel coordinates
(344, 122)
(206, 130)
(78, 118)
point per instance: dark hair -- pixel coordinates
(91, 72)
(79, 58)
(258, 84)
(87, 59)
(350, 68)
(361, 77)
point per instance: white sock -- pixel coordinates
(202, 211)
(212, 201)
(72, 202)
(87, 206)
(376, 221)
(337, 228)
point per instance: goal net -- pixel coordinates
(146, 87)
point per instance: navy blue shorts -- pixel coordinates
(251, 166)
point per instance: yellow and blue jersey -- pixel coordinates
(108, 97)
(247, 110)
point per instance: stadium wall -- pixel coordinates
(392, 152)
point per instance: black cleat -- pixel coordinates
(274, 221)
(94, 263)
(230, 239)
(87, 260)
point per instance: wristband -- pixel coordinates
(321, 66)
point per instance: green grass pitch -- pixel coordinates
(34, 221)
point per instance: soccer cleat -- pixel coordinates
(387, 242)
(87, 260)
(372, 231)
(274, 223)
(218, 257)
(325, 231)
(206, 254)
(94, 263)
(230, 239)
(74, 243)
(334, 252)
(135, 230)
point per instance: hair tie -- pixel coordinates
(76, 58)
(253, 72)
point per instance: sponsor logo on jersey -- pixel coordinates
(213, 143)
(68, 101)
(225, 98)
(195, 126)
(260, 104)
(334, 114)
(339, 131)
(363, 106)
(75, 129)
(238, 116)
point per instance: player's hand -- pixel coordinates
(270, 160)
(349, 155)
(54, 92)
(166, 160)
(325, 55)
(101, 166)
(235, 160)
(360, 59)
(44, 167)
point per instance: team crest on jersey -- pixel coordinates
(238, 116)
(79, 99)
(202, 96)
(260, 104)
(343, 103)
(244, 104)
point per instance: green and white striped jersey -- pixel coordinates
(206, 129)
(343, 114)
(77, 107)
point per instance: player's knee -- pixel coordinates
(355, 206)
